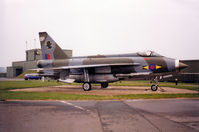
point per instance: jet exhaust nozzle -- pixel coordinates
(44, 63)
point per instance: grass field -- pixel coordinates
(5, 86)
(190, 86)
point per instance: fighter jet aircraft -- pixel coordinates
(101, 69)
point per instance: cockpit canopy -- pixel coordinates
(149, 53)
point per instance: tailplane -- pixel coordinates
(49, 48)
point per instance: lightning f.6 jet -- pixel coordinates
(101, 69)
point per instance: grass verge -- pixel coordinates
(5, 86)
(8, 95)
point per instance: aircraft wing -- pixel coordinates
(88, 66)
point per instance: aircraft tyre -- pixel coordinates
(104, 85)
(154, 87)
(86, 86)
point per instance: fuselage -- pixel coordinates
(144, 64)
(99, 68)
(141, 64)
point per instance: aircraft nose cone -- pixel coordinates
(179, 65)
(182, 65)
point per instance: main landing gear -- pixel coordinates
(154, 87)
(86, 86)
(104, 85)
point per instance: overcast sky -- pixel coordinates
(89, 27)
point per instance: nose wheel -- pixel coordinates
(154, 87)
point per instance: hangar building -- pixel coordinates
(32, 56)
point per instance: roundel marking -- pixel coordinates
(152, 67)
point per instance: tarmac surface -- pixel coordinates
(10, 79)
(166, 115)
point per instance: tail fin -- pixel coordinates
(49, 48)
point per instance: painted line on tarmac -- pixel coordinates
(76, 106)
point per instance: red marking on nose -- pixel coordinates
(106, 78)
(147, 59)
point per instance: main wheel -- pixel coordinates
(104, 85)
(86, 86)
(154, 87)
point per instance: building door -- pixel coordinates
(18, 71)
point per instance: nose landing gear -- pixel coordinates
(154, 87)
